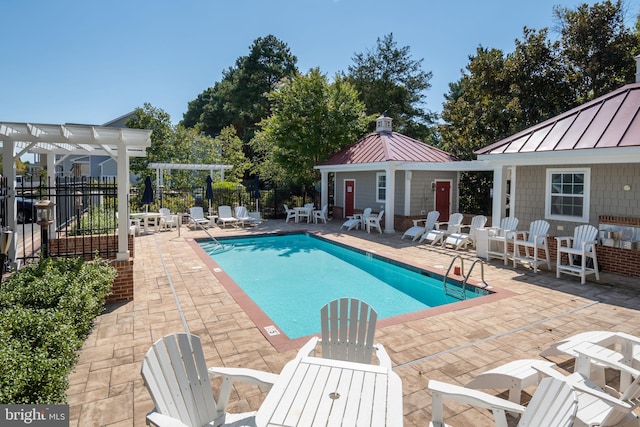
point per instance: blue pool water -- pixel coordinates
(290, 277)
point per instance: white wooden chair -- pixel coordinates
(320, 215)
(498, 238)
(197, 218)
(226, 217)
(532, 242)
(348, 327)
(417, 231)
(356, 221)
(554, 403)
(168, 221)
(461, 240)
(291, 214)
(438, 234)
(373, 221)
(578, 249)
(175, 373)
(598, 406)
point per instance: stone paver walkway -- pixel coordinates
(453, 346)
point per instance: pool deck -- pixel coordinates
(532, 312)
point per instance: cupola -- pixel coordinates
(383, 124)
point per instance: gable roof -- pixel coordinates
(380, 147)
(610, 121)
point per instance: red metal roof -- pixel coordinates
(388, 146)
(612, 120)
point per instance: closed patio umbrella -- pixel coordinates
(147, 195)
(209, 191)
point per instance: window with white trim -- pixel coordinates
(567, 194)
(381, 187)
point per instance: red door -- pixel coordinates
(349, 196)
(443, 199)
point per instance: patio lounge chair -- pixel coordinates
(498, 238)
(577, 251)
(242, 215)
(225, 216)
(175, 373)
(197, 218)
(417, 231)
(348, 326)
(532, 242)
(553, 404)
(438, 234)
(373, 221)
(461, 240)
(357, 220)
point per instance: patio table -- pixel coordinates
(145, 218)
(312, 390)
(301, 211)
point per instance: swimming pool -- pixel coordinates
(291, 276)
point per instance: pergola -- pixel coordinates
(55, 142)
(186, 166)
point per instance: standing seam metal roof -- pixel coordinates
(388, 146)
(612, 120)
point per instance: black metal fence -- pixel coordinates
(88, 207)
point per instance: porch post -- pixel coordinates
(407, 192)
(324, 188)
(123, 203)
(389, 213)
(498, 197)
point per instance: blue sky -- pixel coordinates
(92, 61)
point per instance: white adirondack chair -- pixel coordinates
(348, 326)
(417, 231)
(373, 221)
(461, 240)
(532, 242)
(175, 373)
(291, 214)
(437, 235)
(168, 221)
(583, 246)
(598, 406)
(554, 403)
(498, 238)
(320, 215)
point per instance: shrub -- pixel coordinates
(46, 311)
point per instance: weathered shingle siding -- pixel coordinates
(422, 196)
(607, 194)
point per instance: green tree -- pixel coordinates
(311, 120)
(239, 99)
(232, 154)
(390, 80)
(159, 122)
(597, 48)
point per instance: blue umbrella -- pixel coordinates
(147, 196)
(209, 190)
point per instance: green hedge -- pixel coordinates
(46, 311)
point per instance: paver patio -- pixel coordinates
(453, 346)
